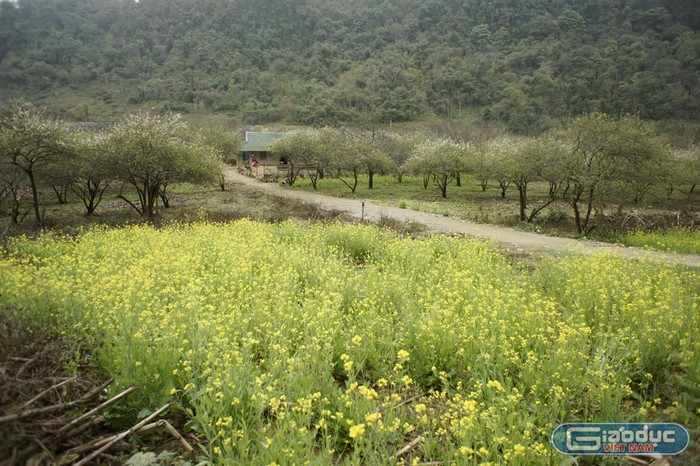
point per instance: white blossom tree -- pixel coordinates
(148, 152)
(440, 159)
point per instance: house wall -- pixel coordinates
(263, 158)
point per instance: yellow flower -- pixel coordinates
(403, 354)
(495, 385)
(357, 340)
(357, 431)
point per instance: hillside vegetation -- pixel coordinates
(525, 64)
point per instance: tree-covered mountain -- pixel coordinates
(526, 63)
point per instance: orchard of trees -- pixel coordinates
(591, 160)
(523, 64)
(142, 153)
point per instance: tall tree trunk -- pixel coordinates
(353, 186)
(15, 212)
(577, 217)
(504, 187)
(61, 194)
(35, 195)
(589, 209)
(442, 181)
(90, 193)
(522, 192)
(291, 174)
(371, 179)
(152, 195)
(553, 189)
(16, 218)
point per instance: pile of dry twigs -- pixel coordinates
(53, 405)
(60, 445)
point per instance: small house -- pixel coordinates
(256, 158)
(255, 149)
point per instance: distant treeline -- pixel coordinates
(523, 63)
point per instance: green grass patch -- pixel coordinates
(467, 202)
(683, 240)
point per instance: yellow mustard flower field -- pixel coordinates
(319, 344)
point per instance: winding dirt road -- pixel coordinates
(508, 237)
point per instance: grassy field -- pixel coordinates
(336, 343)
(683, 240)
(470, 202)
(191, 202)
(188, 203)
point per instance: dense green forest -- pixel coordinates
(524, 63)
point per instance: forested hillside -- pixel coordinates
(525, 63)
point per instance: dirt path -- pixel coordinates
(514, 239)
